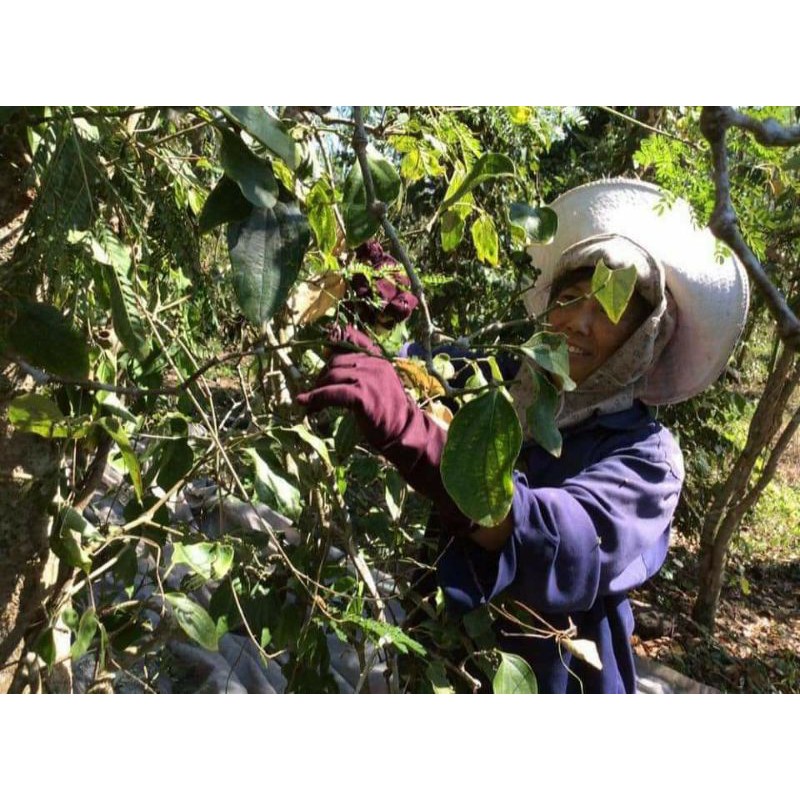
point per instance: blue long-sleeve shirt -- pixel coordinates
(587, 528)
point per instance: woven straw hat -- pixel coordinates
(711, 294)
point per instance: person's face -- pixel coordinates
(592, 338)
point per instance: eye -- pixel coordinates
(569, 295)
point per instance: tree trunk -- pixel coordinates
(28, 484)
(28, 463)
(736, 497)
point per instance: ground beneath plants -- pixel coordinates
(756, 645)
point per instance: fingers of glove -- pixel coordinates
(334, 395)
(353, 336)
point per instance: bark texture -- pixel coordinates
(28, 484)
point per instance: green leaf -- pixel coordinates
(85, 634)
(541, 414)
(266, 252)
(451, 226)
(478, 625)
(613, 288)
(45, 646)
(115, 258)
(252, 174)
(437, 675)
(225, 204)
(488, 166)
(394, 493)
(194, 620)
(33, 413)
(536, 224)
(519, 115)
(273, 489)
(267, 130)
(359, 221)
(549, 351)
(177, 460)
(514, 676)
(346, 436)
(43, 337)
(67, 537)
(316, 443)
(321, 218)
(386, 634)
(71, 618)
(210, 560)
(117, 433)
(483, 443)
(484, 237)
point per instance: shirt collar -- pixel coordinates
(628, 419)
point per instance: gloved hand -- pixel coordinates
(392, 422)
(382, 300)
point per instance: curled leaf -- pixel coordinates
(585, 650)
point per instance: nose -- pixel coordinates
(580, 320)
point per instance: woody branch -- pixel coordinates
(714, 124)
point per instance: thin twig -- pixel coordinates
(650, 128)
(378, 209)
(43, 378)
(714, 124)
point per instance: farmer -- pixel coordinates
(587, 527)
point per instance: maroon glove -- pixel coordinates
(392, 303)
(392, 422)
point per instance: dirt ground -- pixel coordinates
(756, 645)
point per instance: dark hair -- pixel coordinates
(567, 279)
(643, 307)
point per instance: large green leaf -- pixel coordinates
(252, 174)
(488, 166)
(514, 676)
(273, 489)
(44, 337)
(33, 413)
(115, 257)
(226, 203)
(194, 619)
(535, 224)
(549, 351)
(484, 237)
(613, 288)
(358, 219)
(266, 251)
(263, 127)
(541, 414)
(483, 443)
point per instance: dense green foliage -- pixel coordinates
(169, 292)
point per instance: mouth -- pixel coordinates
(574, 350)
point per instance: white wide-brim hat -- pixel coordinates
(711, 292)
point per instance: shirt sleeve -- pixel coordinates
(601, 532)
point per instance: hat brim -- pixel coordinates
(710, 290)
